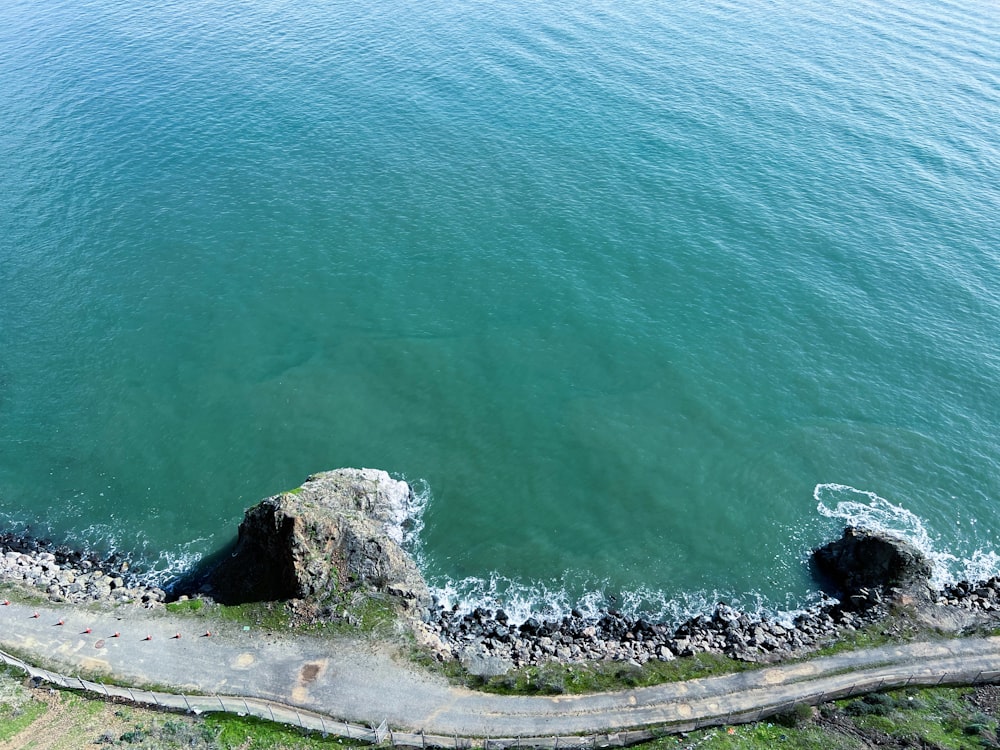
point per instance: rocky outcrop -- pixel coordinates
(341, 530)
(863, 560)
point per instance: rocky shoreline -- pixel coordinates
(485, 641)
(487, 644)
(66, 575)
(874, 575)
(339, 535)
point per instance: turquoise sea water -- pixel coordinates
(643, 297)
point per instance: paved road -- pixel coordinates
(362, 681)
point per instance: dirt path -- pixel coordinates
(366, 681)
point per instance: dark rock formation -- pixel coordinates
(341, 530)
(868, 560)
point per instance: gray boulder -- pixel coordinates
(340, 531)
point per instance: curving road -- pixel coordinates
(364, 681)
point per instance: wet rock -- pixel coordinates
(863, 559)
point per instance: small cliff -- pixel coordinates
(340, 531)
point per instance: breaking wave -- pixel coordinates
(550, 600)
(553, 598)
(866, 509)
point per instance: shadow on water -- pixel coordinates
(198, 578)
(241, 573)
(824, 582)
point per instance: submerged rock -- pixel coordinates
(340, 530)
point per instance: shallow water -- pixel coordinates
(618, 286)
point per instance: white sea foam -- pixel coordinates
(172, 565)
(552, 599)
(149, 565)
(866, 509)
(412, 522)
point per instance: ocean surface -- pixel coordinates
(646, 299)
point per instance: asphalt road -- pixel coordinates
(366, 681)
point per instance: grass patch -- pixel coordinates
(367, 613)
(16, 718)
(22, 593)
(763, 736)
(249, 733)
(370, 615)
(188, 606)
(267, 615)
(356, 613)
(9, 673)
(938, 717)
(871, 636)
(597, 677)
(18, 708)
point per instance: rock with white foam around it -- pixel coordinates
(863, 561)
(340, 530)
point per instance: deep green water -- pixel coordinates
(617, 285)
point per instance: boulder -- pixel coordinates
(863, 559)
(481, 664)
(339, 531)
